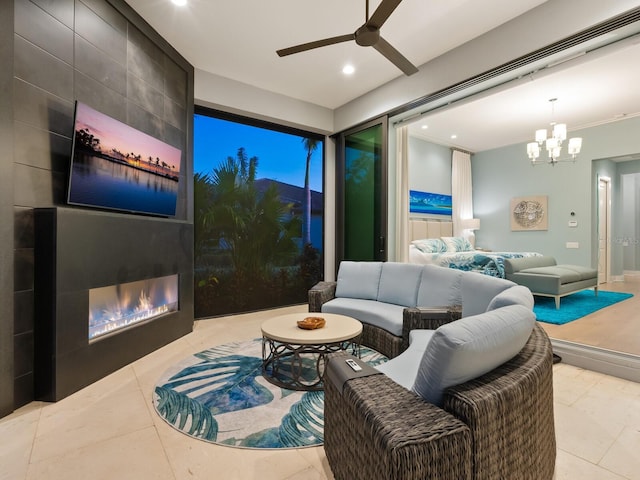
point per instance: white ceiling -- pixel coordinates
(238, 40)
(589, 92)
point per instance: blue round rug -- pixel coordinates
(219, 395)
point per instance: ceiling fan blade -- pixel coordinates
(317, 44)
(395, 57)
(384, 11)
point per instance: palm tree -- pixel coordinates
(202, 193)
(310, 146)
(252, 226)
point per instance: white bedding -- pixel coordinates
(488, 263)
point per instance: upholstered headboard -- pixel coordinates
(428, 228)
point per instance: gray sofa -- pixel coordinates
(392, 299)
(545, 278)
(469, 398)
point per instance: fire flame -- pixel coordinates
(120, 314)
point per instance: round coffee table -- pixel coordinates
(293, 358)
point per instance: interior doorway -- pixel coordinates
(604, 229)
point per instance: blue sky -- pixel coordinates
(281, 156)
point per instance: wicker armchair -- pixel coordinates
(496, 427)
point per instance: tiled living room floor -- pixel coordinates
(110, 430)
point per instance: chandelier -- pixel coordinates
(553, 143)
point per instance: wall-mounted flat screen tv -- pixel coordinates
(117, 167)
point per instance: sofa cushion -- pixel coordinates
(564, 274)
(439, 287)
(399, 283)
(470, 347)
(584, 273)
(379, 314)
(512, 265)
(359, 280)
(517, 295)
(404, 368)
(478, 290)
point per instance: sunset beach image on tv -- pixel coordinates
(117, 167)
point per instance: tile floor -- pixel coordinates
(110, 430)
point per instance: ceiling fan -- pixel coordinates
(368, 35)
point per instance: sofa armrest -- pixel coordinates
(510, 413)
(377, 429)
(320, 294)
(422, 318)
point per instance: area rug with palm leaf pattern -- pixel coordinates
(219, 395)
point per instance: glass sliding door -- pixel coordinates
(362, 192)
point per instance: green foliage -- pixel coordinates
(246, 255)
(310, 266)
(253, 227)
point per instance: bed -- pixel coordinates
(433, 243)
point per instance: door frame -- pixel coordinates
(607, 240)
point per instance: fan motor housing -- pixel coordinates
(367, 36)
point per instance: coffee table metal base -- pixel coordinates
(287, 365)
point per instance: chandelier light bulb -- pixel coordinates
(560, 131)
(575, 145)
(533, 150)
(541, 135)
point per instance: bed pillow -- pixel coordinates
(430, 245)
(457, 244)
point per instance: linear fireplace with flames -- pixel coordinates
(108, 289)
(116, 307)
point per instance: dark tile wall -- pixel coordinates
(64, 360)
(99, 52)
(6, 211)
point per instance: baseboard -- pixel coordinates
(617, 278)
(609, 362)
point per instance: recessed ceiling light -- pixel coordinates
(348, 69)
(454, 136)
(424, 127)
(180, 3)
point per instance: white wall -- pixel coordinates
(228, 95)
(429, 167)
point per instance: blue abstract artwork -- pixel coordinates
(430, 203)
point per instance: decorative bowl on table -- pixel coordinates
(311, 323)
